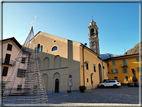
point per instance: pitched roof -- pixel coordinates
(14, 40)
(122, 57)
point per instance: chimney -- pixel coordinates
(110, 56)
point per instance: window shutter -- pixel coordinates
(138, 69)
(116, 71)
(126, 70)
(113, 62)
(112, 71)
(124, 62)
(137, 60)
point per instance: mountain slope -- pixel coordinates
(134, 50)
(107, 55)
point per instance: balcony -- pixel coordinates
(124, 66)
(8, 62)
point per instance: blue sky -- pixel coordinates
(118, 23)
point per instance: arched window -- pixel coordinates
(57, 62)
(46, 63)
(87, 65)
(94, 68)
(38, 48)
(54, 48)
(92, 31)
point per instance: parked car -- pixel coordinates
(110, 83)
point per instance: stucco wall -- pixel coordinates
(92, 60)
(69, 54)
(12, 70)
(121, 76)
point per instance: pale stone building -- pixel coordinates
(10, 64)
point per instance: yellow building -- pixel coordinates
(120, 67)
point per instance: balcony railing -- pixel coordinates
(124, 66)
(8, 62)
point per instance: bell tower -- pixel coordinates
(93, 37)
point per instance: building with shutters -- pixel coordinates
(11, 49)
(120, 68)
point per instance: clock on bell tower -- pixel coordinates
(93, 37)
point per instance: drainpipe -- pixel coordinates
(103, 70)
(83, 64)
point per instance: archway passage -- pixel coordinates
(57, 86)
(100, 73)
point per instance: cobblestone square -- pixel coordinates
(123, 95)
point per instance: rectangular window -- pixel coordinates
(7, 58)
(125, 70)
(115, 78)
(23, 60)
(87, 80)
(113, 62)
(124, 62)
(9, 47)
(137, 60)
(94, 68)
(5, 71)
(87, 65)
(19, 87)
(21, 73)
(114, 71)
(126, 78)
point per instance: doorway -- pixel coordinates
(57, 85)
(7, 58)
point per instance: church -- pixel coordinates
(65, 64)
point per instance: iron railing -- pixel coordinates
(8, 62)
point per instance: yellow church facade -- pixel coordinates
(120, 68)
(65, 64)
(60, 58)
